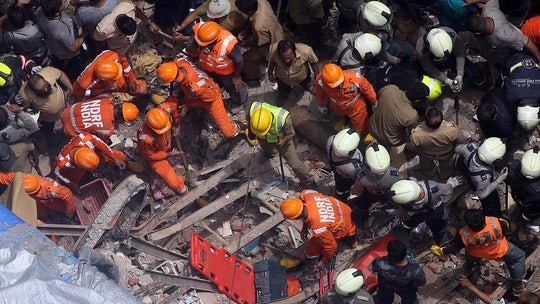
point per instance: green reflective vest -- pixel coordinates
(277, 124)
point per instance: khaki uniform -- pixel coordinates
(234, 22)
(299, 70)
(435, 147)
(266, 29)
(394, 117)
(51, 107)
(107, 31)
(21, 151)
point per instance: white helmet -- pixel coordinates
(377, 159)
(491, 150)
(440, 43)
(218, 8)
(528, 117)
(345, 143)
(368, 45)
(530, 163)
(376, 13)
(349, 281)
(405, 191)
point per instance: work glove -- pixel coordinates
(436, 250)
(36, 69)
(457, 84)
(455, 181)
(502, 177)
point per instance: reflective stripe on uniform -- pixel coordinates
(520, 64)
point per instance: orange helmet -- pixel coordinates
(291, 208)
(31, 184)
(208, 32)
(158, 120)
(108, 70)
(86, 159)
(129, 111)
(168, 72)
(332, 75)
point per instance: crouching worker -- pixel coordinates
(484, 238)
(327, 219)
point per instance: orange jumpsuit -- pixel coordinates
(88, 84)
(200, 91)
(153, 147)
(51, 195)
(64, 166)
(92, 116)
(349, 98)
(328, 220)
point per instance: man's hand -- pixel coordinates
(320, 265)
(502, 177)
(455, 181)
(132, 86)
(174, 152)
(457, 84)
(448, 82)
(111, 87)
(436, 250)
(183, 110)
(465, 282)
(272, 78)
(175, 131)
(238, 83)
(120, 163)
(13, 107)
(154, 27)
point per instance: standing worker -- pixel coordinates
(155, 138)
(348, 94)
(275, 133)
(345, 160)
(348, 289)
(221, 57)
(477, 163)
(109, 72)
(326, 218)
(434, 140)
(200, 91)
(97, 116)
(398, 274)
(524, 181)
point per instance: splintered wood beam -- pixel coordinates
(237, 243)
(182, 201)
(201, 213)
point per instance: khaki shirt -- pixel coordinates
(394, 117)
(21, 150)
(51, 107)
(234, 22)
(298, 71)
(438, 143)
(305, 11)
(264, 24)
(107, 30)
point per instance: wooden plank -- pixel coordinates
(201, 213)
(181, 202)
(436, 291)
(237, 243)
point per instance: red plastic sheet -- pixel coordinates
(233, 277)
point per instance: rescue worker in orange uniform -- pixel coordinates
(200, 91)
(47, 193)
(154, 143)
(82, 154)
(109, 72)
(221, 57)
(97, 116)
(348, 95)
(326, 218)
(484, 238)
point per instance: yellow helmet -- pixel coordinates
(260, 121)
